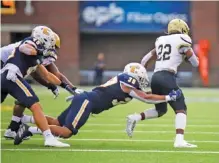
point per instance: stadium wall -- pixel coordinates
(63, 18)
(205, 25)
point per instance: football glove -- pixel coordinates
(174, 95)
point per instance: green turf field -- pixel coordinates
(103, 138)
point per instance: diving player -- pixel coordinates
(25, 59)
(119, 90)
(48, 62)
(169, 52)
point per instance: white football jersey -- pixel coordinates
(170, 51)
(7, 50)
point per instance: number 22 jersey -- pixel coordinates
(111, 94)
(170, 51)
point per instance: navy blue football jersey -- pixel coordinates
(26, 63)
(110, 94)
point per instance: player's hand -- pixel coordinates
(174, 95)
(68, 88)
(69, 98)
(54, 90)
(79, 91)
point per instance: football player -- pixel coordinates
(119, 90)
(170, 51)
(25, 59)
(48, 62)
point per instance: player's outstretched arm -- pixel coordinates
(151, 98)
(53, 79)
(148, 58)
(54, 69)
(42, 71)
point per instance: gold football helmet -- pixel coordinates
(178, 25)
(58, 41)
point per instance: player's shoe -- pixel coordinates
(130, 125)
(184, 144)
(22, 133)
(53, 142)
(9, 134)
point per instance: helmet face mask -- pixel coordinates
(137, 71)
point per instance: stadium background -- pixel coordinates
(120, 42)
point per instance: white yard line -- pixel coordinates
(126, 140)
(109, 150)
(142, 131)
(140, 124)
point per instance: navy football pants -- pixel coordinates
(20, 90)
(76, 115)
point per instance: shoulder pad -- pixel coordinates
(186, 39)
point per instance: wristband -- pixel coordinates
(63, 85)
(52, 87)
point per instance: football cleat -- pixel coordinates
(53, 142)
(130, 125)
(184, 144)
(9, 134)
(22, 133)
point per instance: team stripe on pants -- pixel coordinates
(81, 111)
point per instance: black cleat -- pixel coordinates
(22, 133)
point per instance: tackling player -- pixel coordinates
(25, 59)
(119, 90)
(169, 52)
(48, 62)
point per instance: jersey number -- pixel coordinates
(132, 80)
(164, 52)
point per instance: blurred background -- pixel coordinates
(99, 38)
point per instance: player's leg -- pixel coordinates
(72, 119)
(75, 117)
(22, 91)
(158, 111)
(180, 108)
(15, 123)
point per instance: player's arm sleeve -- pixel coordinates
(148, 57)
(186, 48)
(149, 101)
(192, 58)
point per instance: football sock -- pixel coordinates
(15, 123)
(149, 114)
(27, 119)
(35, 130)
(16, 119)
(47, 134)
(180, 123)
